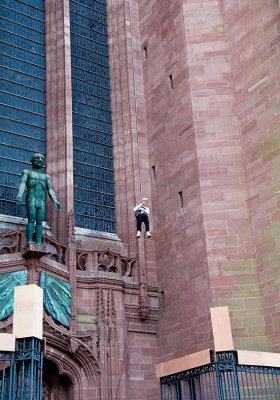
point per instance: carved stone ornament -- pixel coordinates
(73, 345)
(32, 271)
(143, 306)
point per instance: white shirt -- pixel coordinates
(143, 208)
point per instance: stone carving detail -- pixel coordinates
(106, 322)
(111, 316)
(106, 261)
(10, 242)
(33, 271)
(71, 262)
(143, 302)
(71, 228)
(6, 325)
(73, 345)
(97, 260)
(62, 338)
(56, 250)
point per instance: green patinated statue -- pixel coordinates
(36, 184)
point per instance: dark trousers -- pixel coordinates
(142, 218)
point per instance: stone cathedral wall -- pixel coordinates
(211, 95)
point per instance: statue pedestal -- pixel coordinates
(35, 250)
(33, 253)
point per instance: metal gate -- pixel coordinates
(21, 371)
(223, 379)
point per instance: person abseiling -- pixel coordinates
(142, 212)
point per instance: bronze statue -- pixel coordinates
(36, 184)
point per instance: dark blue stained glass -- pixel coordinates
(13, 167)
(91, 89)
(84, 32)
(88, 222)
(12, 27)
(35, 9)
(97, 198)
(91, 123)
(95, 210)
(89, 55)
(83, 182)
(92, 101)
(24, 20)
(92, 112)
(7, 193)
(25, 80)
(8, 207)
(88, 12)
(93, 147)
(90, 67)
(92, 159)
(17, 114)
(21, 66)
(90, 134)
(18, 54)
(23, 142)
(87, 77)
(22, 43)
(99, 6)
(84, 36)
(22, 91)
(22, 94)
(20, 128)
(91, 23)
(94, 172)
(19, 154)
(16, 101)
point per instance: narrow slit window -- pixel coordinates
(162, 300)
(145, 52)
(154, 172)
(170, 78)
(181, 199)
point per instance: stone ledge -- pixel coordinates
(183, 363)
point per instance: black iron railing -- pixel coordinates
(223, 379)
(21, 371)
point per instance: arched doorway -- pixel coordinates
(56, 386)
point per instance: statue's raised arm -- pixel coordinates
(52, 194)
(36, 184)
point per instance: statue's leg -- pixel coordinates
(39, 225)
(31, 216)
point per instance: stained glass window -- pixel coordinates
(22, 94)
(94, 201)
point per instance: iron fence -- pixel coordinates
(223, 379)
(21, 371)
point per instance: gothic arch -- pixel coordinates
(57, 384)
(72, 356)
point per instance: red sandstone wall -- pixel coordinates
(205, 247)
(253, 29)
(142, 359)
(228, 233)
(178, 228)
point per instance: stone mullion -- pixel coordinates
(59, 113)
(129, 130)
(124, 173)
(115, 24)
